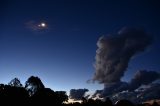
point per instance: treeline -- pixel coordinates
(35, 93)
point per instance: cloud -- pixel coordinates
(142, 87)
(115, 51)
(110, 89)
(111, 61)
(97, 94)
(151, 92)
(77, 94)
(127, 95)
(143, 77)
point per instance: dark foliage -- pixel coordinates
(33, 84)
(15, 82)
(12, 95)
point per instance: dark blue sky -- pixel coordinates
(62, 55)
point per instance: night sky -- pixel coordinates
(56, 39)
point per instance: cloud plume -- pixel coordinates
(111, 61)
(115, 51)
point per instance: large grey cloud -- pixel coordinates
(77, 94)
(112, 58)
(115, 51)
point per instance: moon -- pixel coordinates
(42, 25)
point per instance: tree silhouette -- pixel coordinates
(61, 96)
(15, 82)
(33, 84)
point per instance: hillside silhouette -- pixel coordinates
(35, 93)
